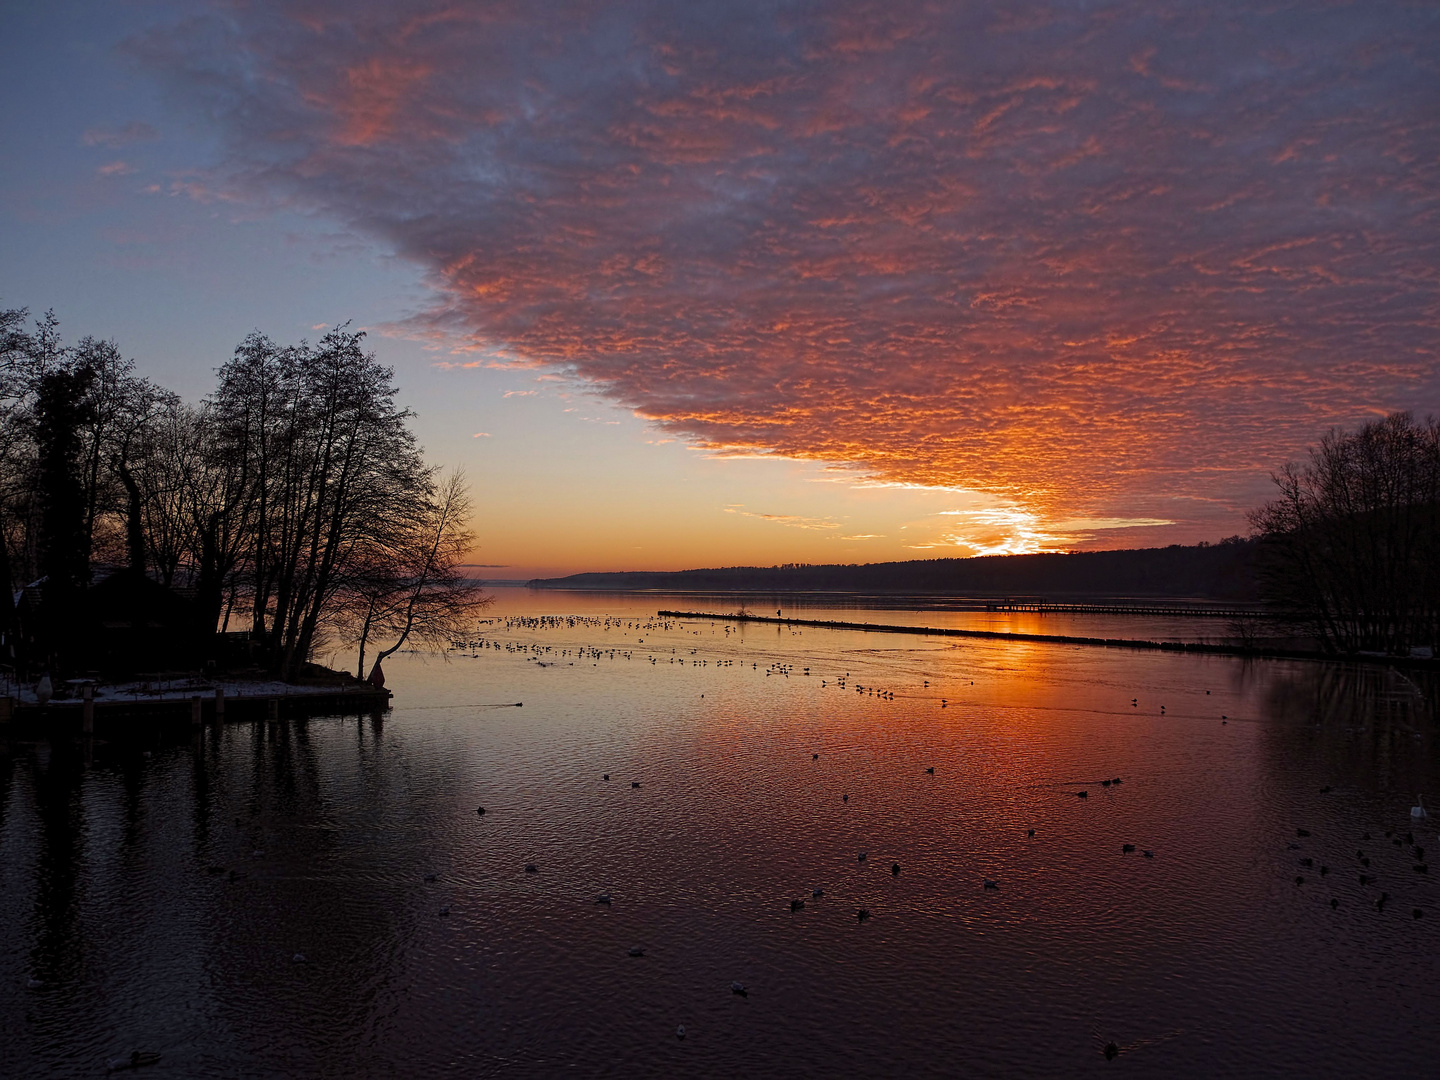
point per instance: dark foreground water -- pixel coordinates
(155, 894)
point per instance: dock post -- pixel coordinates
(274, 704)
(195, 710)
(87, 712)
(219, 703)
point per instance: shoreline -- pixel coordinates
(196, 700)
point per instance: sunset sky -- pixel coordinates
(688, 284)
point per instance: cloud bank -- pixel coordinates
(1114, 261)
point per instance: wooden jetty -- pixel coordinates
(120, 712)
(1046, 607)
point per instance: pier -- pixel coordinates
(1042, 606)
(116, 710)
(1064, 639)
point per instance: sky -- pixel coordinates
(697, 284)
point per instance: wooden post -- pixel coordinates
(87, 713)
(219, 703)
(195, 710)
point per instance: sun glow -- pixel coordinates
(998, 530)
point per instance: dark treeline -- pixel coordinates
(1222, 571)
(293, 503)
(1350, 548)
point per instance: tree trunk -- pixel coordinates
(134, 525)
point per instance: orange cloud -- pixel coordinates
(1107, 273)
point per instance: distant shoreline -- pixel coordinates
(1223, 573)
(1055, 603)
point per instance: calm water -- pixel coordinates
(117, 898)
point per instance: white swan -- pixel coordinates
(1419, 811)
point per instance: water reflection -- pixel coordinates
(160, 891)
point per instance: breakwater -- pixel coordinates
(1212, 648)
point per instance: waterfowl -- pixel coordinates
(298, 958)
(607, 776)
(895, 869)
(429, 877)
(1148, 854)
(480, 810)
(1418, 812)
(444, 911)
(1302, 832)
(739, 988)
(134, 1060)
(1334, 903)
(814, 757)
(991, 883)
(1126, 849)
(636, 950)
(1030, 832)
(817, 892)
(680, 1032)
(603, 898)
(634, 783)
(531, 868)
(1299, 880)
(862, 914)
(797, 905)
(860, 857)
(1083, 794)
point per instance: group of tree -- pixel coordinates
(293, 503)
(1350, 546)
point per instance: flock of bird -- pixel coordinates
(656, 654)
(1369, 879)
(546, 655)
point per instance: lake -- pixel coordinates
(158, 893)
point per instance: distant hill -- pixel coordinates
(1223, 571)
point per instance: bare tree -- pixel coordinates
(327, 466)
(408, 586)
(1352, 542)
(297, 490)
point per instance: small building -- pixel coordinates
(132, 623)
